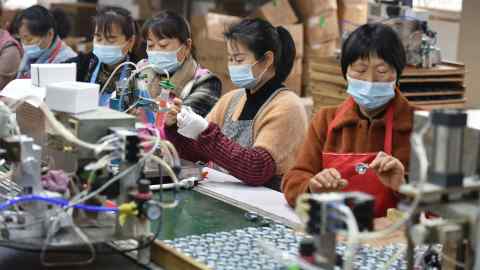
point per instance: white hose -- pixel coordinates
(353, 242)
(113, 74)
(419, 149)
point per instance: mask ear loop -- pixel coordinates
(263, 72)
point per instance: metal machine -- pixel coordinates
(104, 197)
(419, 40)
(448, 190)
(440, 201)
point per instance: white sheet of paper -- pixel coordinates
(262, 200)
(20, 88)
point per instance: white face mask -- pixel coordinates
(108, 54)
(370, 95)
(33, 51)
(164, 60)
(242, 75)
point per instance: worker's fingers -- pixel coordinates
(336, 174)
(342, 183)
(375, 164)
(315, 185)
(383, 162)
(328, 179)
(390, 165)
(177, 102)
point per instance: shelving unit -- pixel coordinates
(439, 87)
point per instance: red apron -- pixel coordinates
(369, 182)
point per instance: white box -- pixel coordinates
(44, 74)
(72, 97)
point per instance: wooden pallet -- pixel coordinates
(440, 86)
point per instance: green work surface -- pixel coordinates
(197, 214)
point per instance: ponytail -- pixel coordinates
(287, 54)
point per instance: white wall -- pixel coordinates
(469, 49)
(448, 37)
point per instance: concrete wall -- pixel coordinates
(469, 49)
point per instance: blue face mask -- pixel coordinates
(33, 51)
(242, 75)
(162, 61)
(108, 54)
(371, 95)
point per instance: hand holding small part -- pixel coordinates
(190, 124)
(328, 180)
(175, 109)
(389, 170)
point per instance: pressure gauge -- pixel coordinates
(152, 210)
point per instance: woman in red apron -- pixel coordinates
(363, 144)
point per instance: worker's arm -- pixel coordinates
(309, 159)
(9, 63)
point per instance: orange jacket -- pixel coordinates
(353, 134)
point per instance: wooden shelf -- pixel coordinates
(429, 94)
(440, 102)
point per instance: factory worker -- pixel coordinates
(169, 50)
(41, 44)
(254, 132)
(114, 40)
(362, 144)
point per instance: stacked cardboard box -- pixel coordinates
(278, 12)
(320, 21)
(281, 13)
(351, 14)
(211, 50)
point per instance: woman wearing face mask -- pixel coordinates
(169, 50)
(10, 56)
(114, 39)
(254, 132)
(363, 144)
(40, 41)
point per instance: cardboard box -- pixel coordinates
(294, 80)
(296, 30)
(72, 97)
(45, 74)
(311, 56)
(212, 26)
(321, 28)
(210, 45)
(309, 8)
(351, 14)
(277, 12)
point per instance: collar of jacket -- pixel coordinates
(184, 74)
(402, 116)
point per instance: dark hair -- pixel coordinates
(38, 20)
(168, 24)
(14, 25)
(377, 39)
(259, 36)
(61, 18)
(109, 15)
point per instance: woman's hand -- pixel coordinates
(327, 180)
(175, 109)
(190, 124)
(389, 170)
